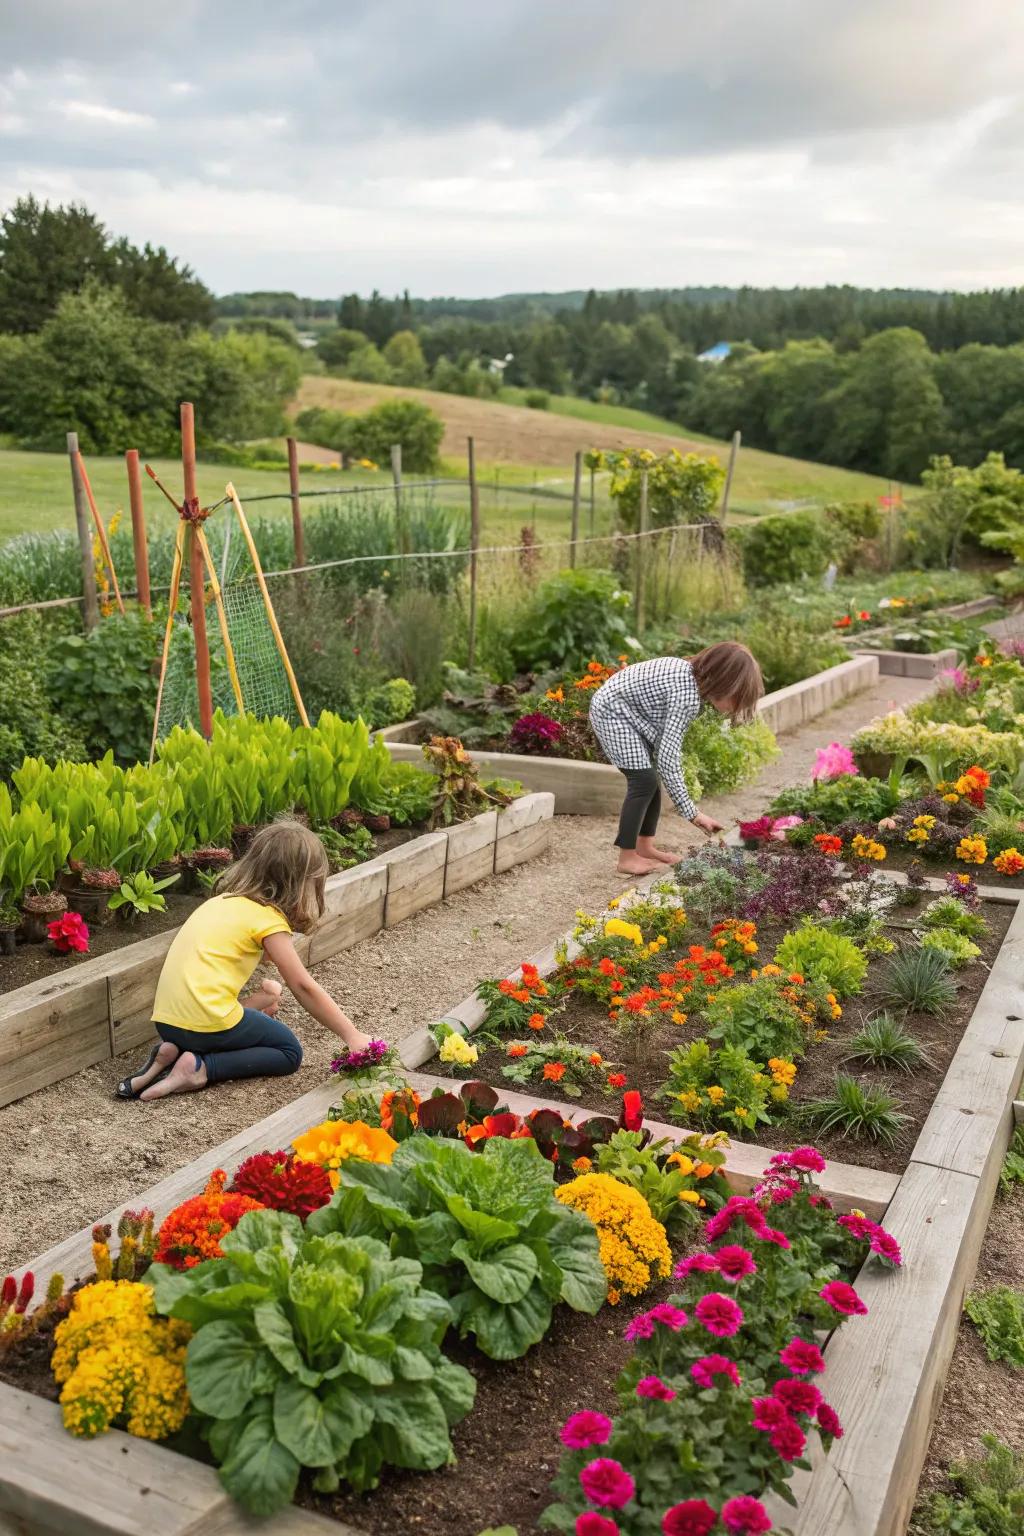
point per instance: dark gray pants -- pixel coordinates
(641, 807)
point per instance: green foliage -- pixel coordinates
(785, 548)
(787, 650)
(833, 801)
(824, 956)
(389, 703)
(410, 424)
(313, 1351)
(1012, 1171)
(947, 912)
(885, 1041)
(957, 948)
(404, 358)
(571, 619)
(30, 725)
(988, 1499)
(33, 847)
(709, 1087)
(756, 1018)
(537, 399)
(487, 1229)
(654, 1171)
(140, 893)
(327, 758)
(103, 683)
(853, 1109)
(998, 1315)
(719, 757)
(681, 487)
(335, 348)
(716, 883)
(957, 746)
(917, 980)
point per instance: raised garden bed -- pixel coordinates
(52, 1027)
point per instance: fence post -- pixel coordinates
(577, 476)
(396, 476)
(474, 544)
(641, 553)
(733, 456)
(293, 483)
(593, 507)
(197, 573)
(139, 544)
(90, 603)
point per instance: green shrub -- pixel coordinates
(573, 618)
(998, 1315)
(31, 724)
(785, 548)
(104, 684)
(988, 1498)
(957, 948)
(947, 912)
(719, 757)
(537, 399)
(821, 955)
(389, 703)
(787, 650)
(406, 422)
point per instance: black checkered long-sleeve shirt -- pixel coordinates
(640, 716)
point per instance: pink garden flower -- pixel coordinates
(591, 1524)
(842, 1298)
(798, 1396)
(828, 1421)
(586, 1428)
(807, 1159)
(693, 1517)
(607, 1482)
(769, 1413)
(735, 1263)
(745, 1516)
(736, 1208)
(858, 1226)
(788, 1440)
(719, 1315)
(653, 1386)
(708, 1367)
(773, 1235)
(669, 1316)
(886, 1246)
(801, 1358)
(696, 1264)
(833, 761)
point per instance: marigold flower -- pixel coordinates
(535, 1021)
(282, 1181)
(517, 1049)
(192, 1231)
(554, 1071)
(1009, 862)
(633, 1245)
(617, 1080)
(582, 1165)
(973, 850)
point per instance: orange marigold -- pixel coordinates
(554, 1071)
(517, 1050)
(536, 1021)
(192, 1231)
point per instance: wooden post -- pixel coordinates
(577, 476)
(293, 482)
(733, 455)
(197, 574)
(396, 475)
(90, 604)
(641, 556)
(131, 460)
(474, 544)
(593, 500)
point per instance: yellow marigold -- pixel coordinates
(691, 1100)
(681, 1161)
(690, 1197)
(119, 1364)
(716, 1094)
(951, 799)
(618, 928)
(867, 848)
(678, 1017)
(332, 1142)
(973, 850)
(634, 1247)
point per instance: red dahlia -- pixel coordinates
(283, 1182)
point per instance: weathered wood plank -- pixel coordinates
(415, 877)
(132, 979)
(353, 910)
(471, 847)
(51, 1028)
(524, 830)
(1018, 1112)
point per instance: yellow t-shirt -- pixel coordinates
(210, 960)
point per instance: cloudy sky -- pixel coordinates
(453, 147)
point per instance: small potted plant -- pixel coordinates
(169, 869)
(139, 895)
(10, 921)
(209, 861)
(38, 910)
(94, 893)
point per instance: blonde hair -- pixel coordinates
(284, 866)
(728, 672)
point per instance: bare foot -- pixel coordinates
(647, 850)
(266, 999)
(186, 1076)
(166, 1055)
(631, 863)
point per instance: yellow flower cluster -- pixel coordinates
(334, 1141)
(119, 1364)
(456, 1049)
(867, 848)
(783, 1072)
(634, 1247)
(973, 850)
(618, 928)
(920, 830)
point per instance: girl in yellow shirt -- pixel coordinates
(209, 1034)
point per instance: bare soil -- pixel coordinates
(72, 1150)
(31, 961)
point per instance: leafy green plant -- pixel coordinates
(849, 797)
(720, 757)
(885, 1041)
(313, 1351)
(758, 1018)
(855, 1110)
(998, 1315)
(709, 1087)
(573, 1067)
(787, 650)
(327, 758)
(572, 618)
(141, 893)
(33, 847)
(661, 1171)
(487, 1229)
(947, 912)
(346, 849)
(957, 948)
(988, 1498)
(825, 956)
(389, 703)
(1012, 1171)
(917, 980)
(104, 684)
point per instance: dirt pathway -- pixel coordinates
(70, 1152)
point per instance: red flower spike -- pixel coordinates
(632, 1117)
(8, 1292)
(26, 1291)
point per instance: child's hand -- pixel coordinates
(356, 1040)
(707, 824)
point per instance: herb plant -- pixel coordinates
(998, 1315)
(988, 1499)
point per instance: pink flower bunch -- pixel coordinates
(801, 1159)
(643, 1325)
(801, 1358)
(705, 1370)
(586, 1428)
(957, 679)
(653, 1386)
(768, 829)
(833, 762)
(363, 1060)
(878, 1239)
(606, 1481)
(69, 932)
(842, 1298)
(719, 1314)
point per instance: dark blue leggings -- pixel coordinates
(257, 1046)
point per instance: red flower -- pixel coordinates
(745, 1516)
(842, 1298)
(798, 1396)
(863, 615)
(606, 1481)
(617, 1080)
(632, 1117)
(788, 1440)
(592, 1524)
(735, 1263)
(769, 1413)
(828, 1421)
(192, 1231)
(843, 623)
(283, 1182)
(586, 1428)
(801, 1358)
(653, 1386)
(693, 1517)
(719, 1314)
(69, 932)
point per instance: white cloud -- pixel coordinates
(114, 117)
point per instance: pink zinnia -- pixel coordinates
(788, 1440)
(886, 1246)
(735, 1262)
(745, 1516)
(640, 1327)
(798, 1396)
(708, 1367)
(807, 1159)
(669, 1316)
(591, 1524)
(857, 1226)
(605, 1481)
(773, 1235)
(769, 1413)
(719, 1314)
(780, 1193)
(843, 1298)
(801, 1358)
(586, 1428)
(736, 1207)
(696, 1264)
(653, 1386)
(828, 1421)
(693, 1517)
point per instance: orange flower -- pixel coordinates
(517, 1050)
(596, 1058)
(536, 1021)
(617, 1080)
(554, 1071)
(408, 1102)
(582, 1165)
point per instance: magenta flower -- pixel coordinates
(833, 762)
(534, 733)
(758, 831)
(735, 1262)
(745, 1516)
(362, 1060)
(641, 1327)
(653, 1386)
(788, 1440)
(843, 1298)
(708, 1367)
(858, 1226)
(801, 1358)
(668, 1316)
(807, 1159)
(719, 1315)
(696, 1264)
(607, 1482)
(798, 1396)
(736, 1208)
(773, 1235)
(886, 1246)
(769, 1413)
(586, 1428)
(693, 1517)
(591, 1524)
(828, 1421)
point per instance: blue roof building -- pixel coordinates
(716, 354)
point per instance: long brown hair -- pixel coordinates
(728, 671)
(284, 866)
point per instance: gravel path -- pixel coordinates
(71, 1151)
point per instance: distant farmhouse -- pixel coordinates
(716, 354)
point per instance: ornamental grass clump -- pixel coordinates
(858, 1110)
(119, 1365)
(917, 980)
(633, 1245)
(885, 1041)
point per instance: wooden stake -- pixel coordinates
(271, 615)
(298, 536)
(641, 555)
(222, 618)
(593, 501)
(733, 456)
(196, 575)
(474, 545)
(139, 544)
(101, 532)
(172, 603)
(400, 529)
(577, 477)
(90, 606)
